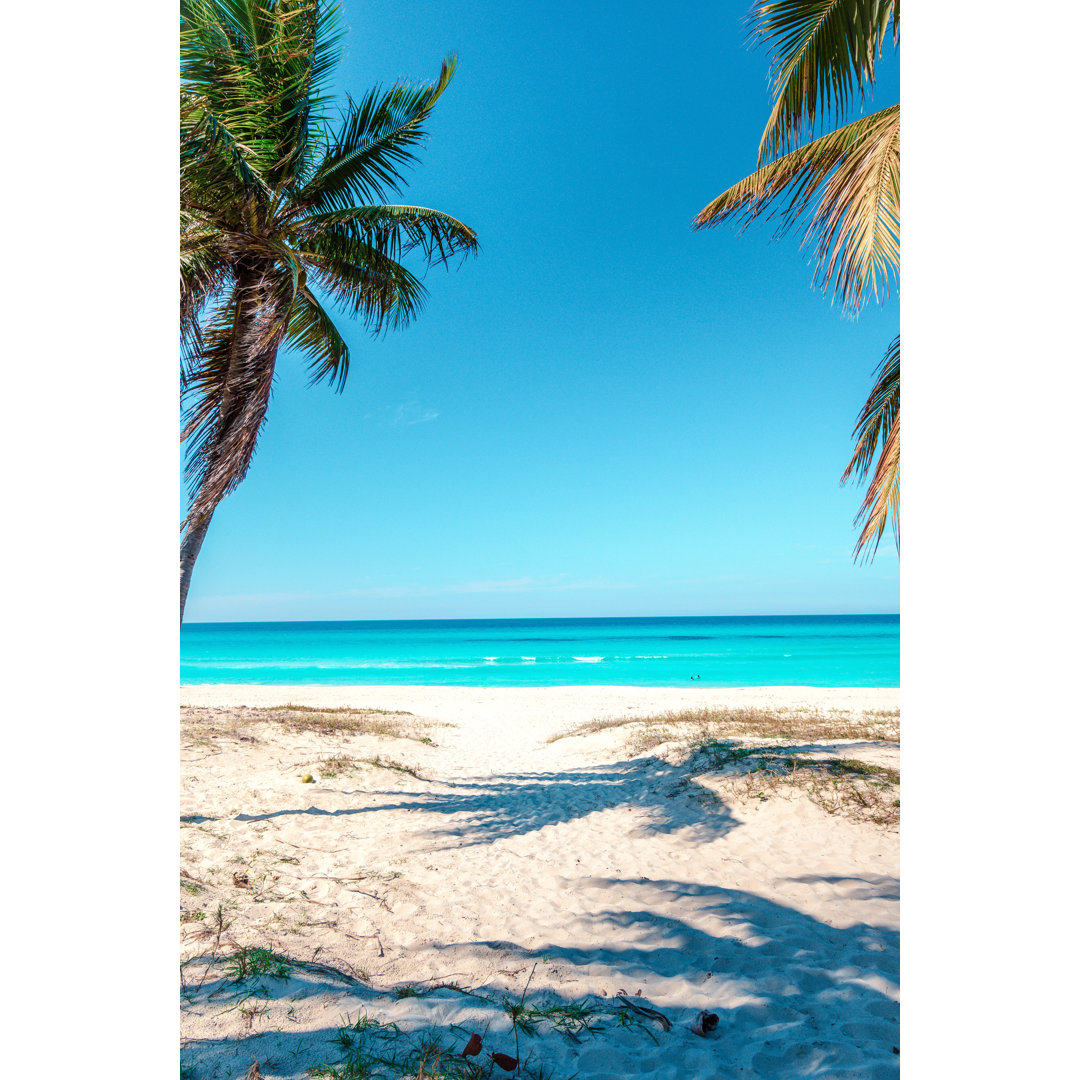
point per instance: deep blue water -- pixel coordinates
(763, 650)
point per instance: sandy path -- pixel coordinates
(602, 871)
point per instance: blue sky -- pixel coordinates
(603, 413)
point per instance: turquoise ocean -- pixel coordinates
(763, 650)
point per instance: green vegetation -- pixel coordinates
(378, 762)
(371, 1050)
(335, 766)
(374, 1051)
(847, 786)
(339, 764)
(283, 207)
(848, 182)
(253, 962)
(738, 743)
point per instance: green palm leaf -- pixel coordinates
(374, 143)
(366, 282)
(822, 52)
(396, 230)
(313, 332)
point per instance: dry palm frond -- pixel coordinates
(822, 51)
(879, 423)
(854, 173)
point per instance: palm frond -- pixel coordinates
(878, 425)
(374, 144)
(211, 156)
(203, 272)
(854, 226)
(394, 230)
(822, 52)
(312, 331)
(262, 67)
(365, 281)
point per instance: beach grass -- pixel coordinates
(738, 743)
(848, 787)
(381, 1050)
(339, 764)
(649, 731)
(201, 725)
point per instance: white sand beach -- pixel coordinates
(425, 877)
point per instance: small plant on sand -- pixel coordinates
(371, 1050)
(251, 962)
(191, 916)
(379, 762)
(374, 1051)
(335, 766)
(216, 926)
(852, 767)
(571, 1018)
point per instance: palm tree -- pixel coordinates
(282, 210)
(845, 184)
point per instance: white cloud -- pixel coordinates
(412, 412)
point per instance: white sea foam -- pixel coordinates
(589, 659)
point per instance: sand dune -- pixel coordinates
(577, 866)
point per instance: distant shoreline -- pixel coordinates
(576, 702)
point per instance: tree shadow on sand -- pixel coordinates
(796, 996)
(517, 804)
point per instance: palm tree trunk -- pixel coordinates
(241, 410)
(189, 552)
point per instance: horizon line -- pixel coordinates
(556, 618)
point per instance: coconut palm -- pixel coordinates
(284, 210)
(844, 185)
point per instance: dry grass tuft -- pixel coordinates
(699, 725)
(845, 786)
(746, 747)
(202, 725)
(340, 764)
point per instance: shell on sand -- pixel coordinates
(704, 1023)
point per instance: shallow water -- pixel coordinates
(766, 650)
